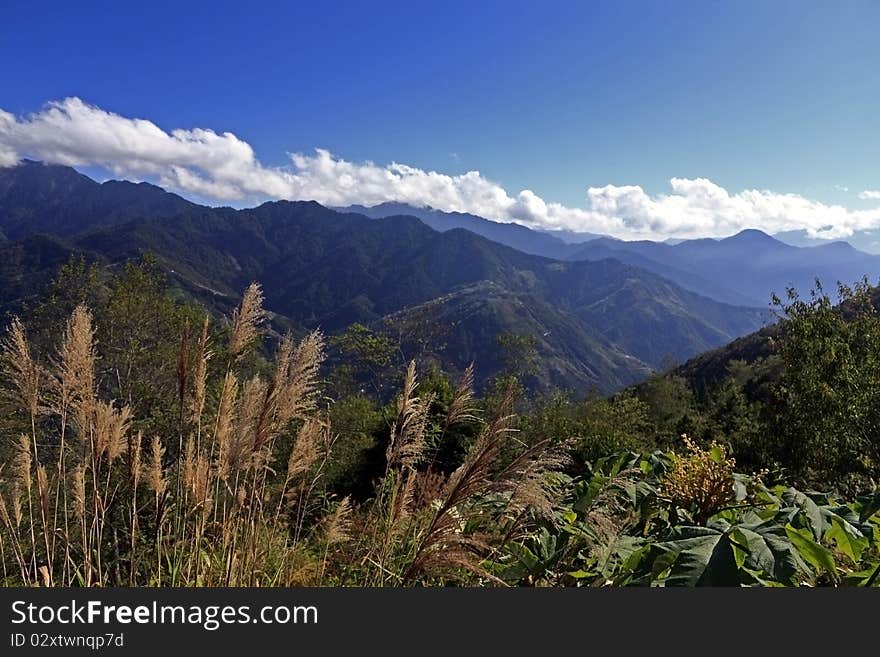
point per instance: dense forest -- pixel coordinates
(148, 440)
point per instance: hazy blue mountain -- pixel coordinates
(745, 268)
(573, 236)
(867, 241)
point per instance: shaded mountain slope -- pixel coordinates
(41, 198)
(609, 320)
(513, 235)
(567, 353)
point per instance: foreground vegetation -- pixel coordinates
(143, 442)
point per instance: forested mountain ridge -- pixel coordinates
(43, 198)
(743, 269)
(510, 234)
(322, 268)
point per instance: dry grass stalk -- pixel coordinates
(213, 527)
(225, 425)
(22, 463)
(78, 488)
(19, 367)
(337, 526)
(297, 379)
(402, 502)
(429, 487)
(135, 449)
(111, 427)
(337, 530)
(198, 482)
(17, 513)
(408, 443)
(200, 374)
(5, 518)
(246, 320)
(155, 475)
(251, 415)
(43, 491)
(444, 545)
(306, 448)
(290, 394)
(461, 408)
(77, 369)
(525, 480)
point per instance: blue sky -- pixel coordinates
(551, 97)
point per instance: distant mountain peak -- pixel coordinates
(752, 235)
(839, 245)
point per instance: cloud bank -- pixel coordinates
(223, 167)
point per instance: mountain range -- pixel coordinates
(744, 269)
(863, 240)
(602, 322)
(510, 234)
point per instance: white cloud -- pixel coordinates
(222, 166)
(870, 195)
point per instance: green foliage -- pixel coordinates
(78, 281)
(616, 528)
(801, 399)
(359, 449)
(830, 386)
(367, 359)
(140, 341)
(670, 405)
(518, 353)
(611, 425)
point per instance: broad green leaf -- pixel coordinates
(762, 581)
(705, 558)
(815, 554)
(633, 558)
(770, 552)
(524, 556)
(810, 509)
(848, 539)
(739, 555)
(546, 543)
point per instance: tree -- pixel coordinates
(830, 386)
(367, 359)
(77, 282)
(519, 353)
